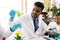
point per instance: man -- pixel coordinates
(33, 27)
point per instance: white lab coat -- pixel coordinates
(28, 28)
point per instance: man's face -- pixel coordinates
(36, 11)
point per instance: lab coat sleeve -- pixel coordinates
(44, 27)
(8, 33)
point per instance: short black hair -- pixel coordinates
(39, 4)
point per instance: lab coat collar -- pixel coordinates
(33, 24)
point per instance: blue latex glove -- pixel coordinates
(12, 14)
(15, 26)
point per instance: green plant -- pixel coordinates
(55, 10)
(48, 9)
(18, 36)
(58, 13)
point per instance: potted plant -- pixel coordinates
(18, 35)
(58, 16)
(54, 11)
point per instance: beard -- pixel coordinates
(34, 15)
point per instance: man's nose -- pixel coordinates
(34, 11)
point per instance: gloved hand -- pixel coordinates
(12, 15)
(15, 26)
